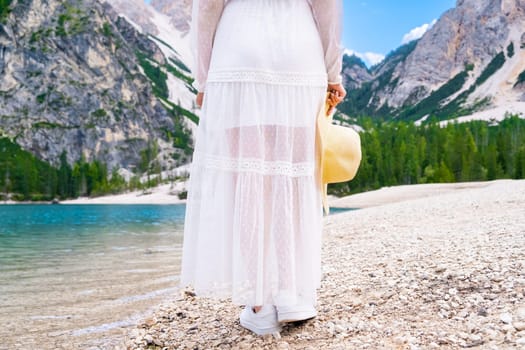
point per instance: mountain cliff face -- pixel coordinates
(138, 12)
(470, 59)
(169, 31)
(179, 12)
(76, 77)
(355, 72)
(145, 16)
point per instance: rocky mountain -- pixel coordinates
(179, 12)
(355, 72)
(472, 59)
(137, 12)
(168, 27)
(77, 77)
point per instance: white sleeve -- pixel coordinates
(205, 17)
(328, 16)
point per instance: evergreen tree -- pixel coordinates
(520, 163)
(65, 178)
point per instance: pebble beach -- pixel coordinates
(418, 267)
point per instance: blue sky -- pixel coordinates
(373, 28)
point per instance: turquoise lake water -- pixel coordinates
(70, 274)
(30, 232)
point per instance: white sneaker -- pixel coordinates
(262, 322)
(299, 312)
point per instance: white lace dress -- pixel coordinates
(254, 217)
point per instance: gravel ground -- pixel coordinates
(446, 271)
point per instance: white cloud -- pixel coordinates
(370, 58)
(417, 32)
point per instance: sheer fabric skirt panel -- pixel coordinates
(253, 221)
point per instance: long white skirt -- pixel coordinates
(254, 216)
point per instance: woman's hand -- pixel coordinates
(200, 98)
(336, 95)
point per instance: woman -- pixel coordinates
(254, 215)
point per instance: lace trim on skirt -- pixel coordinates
(268, 77)
(258, 166)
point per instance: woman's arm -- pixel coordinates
(205, 17)
(328, 16)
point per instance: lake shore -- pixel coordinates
(424, 266)
(160, 195)
(163, 194)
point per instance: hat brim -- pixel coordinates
(338, 152)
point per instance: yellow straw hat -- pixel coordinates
(338, 150)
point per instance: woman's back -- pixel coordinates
(268, 35)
